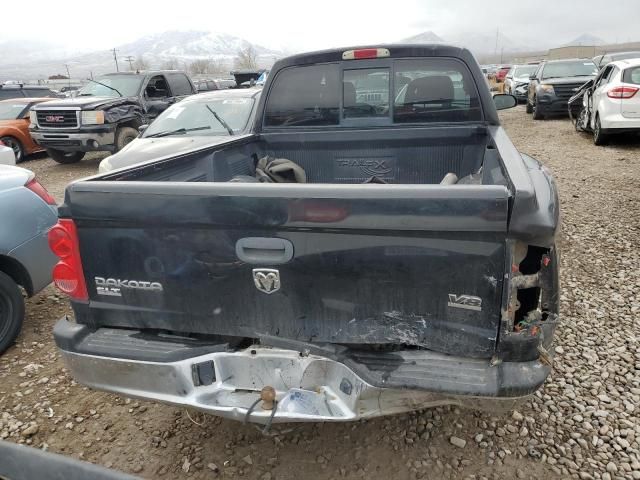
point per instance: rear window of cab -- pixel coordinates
(421, 90)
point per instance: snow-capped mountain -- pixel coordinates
(189, 44)
(27, 60)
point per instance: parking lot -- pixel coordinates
(584, 423)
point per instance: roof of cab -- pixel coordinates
(396, 50)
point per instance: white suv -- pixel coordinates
(613, 102)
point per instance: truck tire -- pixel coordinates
(65, 157)
(16, 146)
(125, 135)
(599, 138)
(536, 111)
(11, 311)
(529, 108)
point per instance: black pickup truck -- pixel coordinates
(409, 262)
(106, 113)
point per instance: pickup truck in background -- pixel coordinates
(409, 261)
(106, 113)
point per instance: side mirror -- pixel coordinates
(504, 101)
(532, 76)
(142, 128)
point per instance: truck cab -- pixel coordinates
(106, 113)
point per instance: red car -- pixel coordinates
(502, 72)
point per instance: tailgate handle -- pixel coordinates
(264, 250)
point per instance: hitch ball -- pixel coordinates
(268, 396)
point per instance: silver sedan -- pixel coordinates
(197, 122)
(27, 212)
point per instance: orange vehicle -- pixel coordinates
(14, 126)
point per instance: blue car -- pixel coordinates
(27, 212)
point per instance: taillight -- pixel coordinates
(67, 274)
(39, 190)
(622, 92)
(60, 242)
(365, 53)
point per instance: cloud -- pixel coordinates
(295, 25)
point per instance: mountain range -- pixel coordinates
(484, 44)
(478, 43)
(30, 59)
(190, 44)
(424, 37)
(585, 39)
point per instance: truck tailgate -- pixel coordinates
(351, 264)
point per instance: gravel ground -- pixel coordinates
(584, 423)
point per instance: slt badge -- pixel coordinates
(266, 280)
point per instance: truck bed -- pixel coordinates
(417, 156)
(371, 263)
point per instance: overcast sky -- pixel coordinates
(303, 24)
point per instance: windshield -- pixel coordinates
(127, 85)
(578, 68)
(11, 111)
(524, 71)
(194, 118)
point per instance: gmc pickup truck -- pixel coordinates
(408, 261)
(106, 113)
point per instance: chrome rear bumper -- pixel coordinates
(307, 388)
(226, 382)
